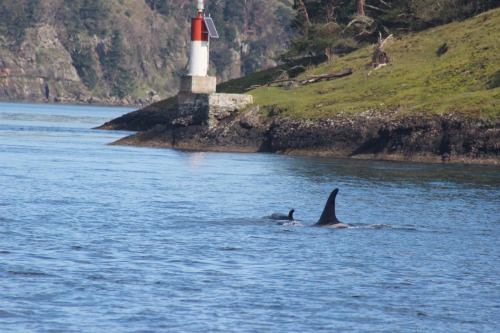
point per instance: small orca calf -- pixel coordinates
(277, 216)
(328, 218)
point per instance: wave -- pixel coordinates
(30, 273)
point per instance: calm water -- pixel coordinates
(98, 238)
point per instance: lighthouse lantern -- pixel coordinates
(201, 6)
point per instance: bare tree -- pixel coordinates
(302, 10)
(380, 57)
(361, 8)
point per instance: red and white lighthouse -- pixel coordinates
(202, 29)
(198, 103)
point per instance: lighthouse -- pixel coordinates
(197, 100)
(202, 30)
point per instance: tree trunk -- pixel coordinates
(361, 8)
(380, 57)
(301, 9)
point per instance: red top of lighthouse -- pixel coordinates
(199, 31)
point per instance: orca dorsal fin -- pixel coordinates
(290, 214)
(328, 216)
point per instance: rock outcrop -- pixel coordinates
(371, 134)
(39, 69)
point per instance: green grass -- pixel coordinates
(465, 79)
(243, 84)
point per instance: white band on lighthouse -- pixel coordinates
(198, 58)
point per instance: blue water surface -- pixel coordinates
(100, 238)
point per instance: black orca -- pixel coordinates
(278, 216)
(328, 218)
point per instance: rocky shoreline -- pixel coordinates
(396, 136)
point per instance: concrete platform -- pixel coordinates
(209, 109)
(198, 84)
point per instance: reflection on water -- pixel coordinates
(395, 173)
(196, 159)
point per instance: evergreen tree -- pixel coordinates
(115, 70)
(160, 6)
(320, 26)
(93, 14)
(84, 63)
(340, 26)
(17, 16)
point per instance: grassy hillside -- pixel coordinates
(465, 79)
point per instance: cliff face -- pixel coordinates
(126, 52)
(39, 69)
(391, 136)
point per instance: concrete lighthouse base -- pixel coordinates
(198, 84)
(198, 104)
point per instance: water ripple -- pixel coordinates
(123, 239)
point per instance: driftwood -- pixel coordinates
(376, 67)
(309, 79)
(285, 74)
